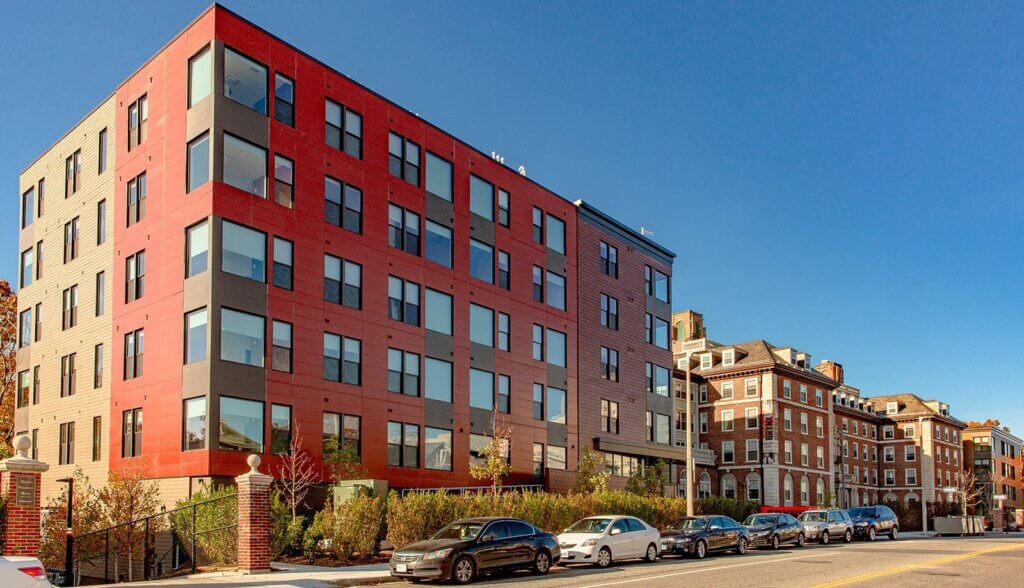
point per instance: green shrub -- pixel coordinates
(280, 518)
(355, 526)
(736, 509)
(314, 534)
(212, 547)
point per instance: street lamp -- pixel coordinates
(69, 535)
(689, 441)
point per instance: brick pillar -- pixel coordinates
(253, 519)
(19, 482)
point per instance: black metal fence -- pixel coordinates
(464, 489)
(174, 542)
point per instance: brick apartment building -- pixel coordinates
(995, 455)
(243, 245)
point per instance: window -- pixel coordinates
(280, 429)
(805, 490)
(909, 453)
(439, 244)
(538, 460)
(538, 343)
(403, 159)
(403, 372)
(244, 252)
(197, 238)
(750, 416)
(752, 453)
(819, 426)
(728, 421)
(750, 388)
(245, 165)
(538, 226)
(344, 129)
(481, 389)
(343, 282)
(727, 391)
(503, 210)
(284, 100)
(609, 260)
(911, 475)
(787, 419)
(892, 407)
(820, 455)
(101, 223)
(890, 477)
(439, 177)
(39, 259)
(556, 348)
(803, 393)
(403, 229)
(609, 417)
(283, 250)
(657, 283)
(241, 425)
(805, 458)
(281, 347)
(609, 312)
(136, 199)
(438, 312)
(556, 234)
(66, 447)
(403, 301)
(342, 359)
(728, 452)
(803, 423)
(703, 422)
(504, 331)
(817, 397)
(702, 395)
(342, 433)
(198, 162)
(200, 76)
(754, 488)
(610, 364)
(437, 449)
(481, 261)
(134, 276)
(138, 121)
(28, 203)
(538, 284)
(481, 197)
(556, 290)
(437, 379)
(909, 432)
(888, 432)
(41, 198)
(195, 335)
(556, 458)
(131, 433)
(538, 401)
(403, 445)
(657, 334)
(481, 325)
(24, 328)
(39, 321)
(658, 380)
(72, 173)
(556, 405)
(23, 389)
(503, 270)
(245, 81)
(662, 430)
(241, 337)
(787, 389)
(69, 317)
(728, 357)
(195, 424)
(284, 180)
(788, 453)
(97, 438)
(889, 453)
(71, 240)
(133, 352)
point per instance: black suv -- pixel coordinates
(871, 521)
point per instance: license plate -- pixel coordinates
(401, 568)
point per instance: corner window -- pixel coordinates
(284, 100)
(344, 129)
(241, 425)
(245, 81)
(198, 162)
(439, 177)
(195, 424)
(404, 158)
(245, 165)
(481, 261)
(556, 234)
(438, 312)
(343, 282)
(439, 244)
(197, 243)
(343, 205)
(281, 347)
(657, 283)
(242, 337)
(283, 251)
(342, 359)
(284, 181)
(481, 197)
(200, 76)
(195, 335)
(244, 252)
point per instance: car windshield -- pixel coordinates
(459, 530)
(760, 520)
(589, 526)
(862, 512)
(814, 516)
(694, 523)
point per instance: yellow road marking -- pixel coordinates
(909, 567)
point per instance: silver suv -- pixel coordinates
(827, 525)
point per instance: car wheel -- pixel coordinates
(652, 553)
(825, 538)
(872, 533)
(541, 563)
(894, 534)
(741, 546)
(848, 536)
(775, 542)
(701, 549)
(463, 570)
(604, 558)
(800, 540)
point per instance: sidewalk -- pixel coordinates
(284, 574)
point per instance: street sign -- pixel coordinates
(998, 497)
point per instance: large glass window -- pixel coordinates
(437, 453)
(555, 293)
(438, 311)
(439, 177)
(439, 244)
(403, 445)
(481, 325)
(242, 337)
(343, 205)
(556, 348)
(656, 283)
(244, 252)
(556, 458)
(241, 424)
(343, 282)
(481, 389)
(245, 81)
(284, 100)
(556, 234)
(343, 359)
(481, 197)
(195, 424)
(556, 405)
(661, 428)
(245, 165)
(344, 129)
(195, 335)
(198, 244)
(341, 432)
(437, 379)
(200, 76)
(198, 162)
(280, 429)
(481, 261)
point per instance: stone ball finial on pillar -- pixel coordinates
(22, 444)
(254, 463)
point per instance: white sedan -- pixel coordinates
(22, 572)
(602, 540)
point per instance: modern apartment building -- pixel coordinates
(258, 249)
(994, 453)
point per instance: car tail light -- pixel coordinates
(34, 571)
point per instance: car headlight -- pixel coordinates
(861, 523)
(683, 540)
(438, 554)
(589, 543)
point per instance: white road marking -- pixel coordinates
(708, 569)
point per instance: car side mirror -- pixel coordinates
(714, 528)
(487, 537)
(615, 531)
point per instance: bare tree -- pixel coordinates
(8, 364)
(968, 493)
(297, 472)
(496, 454)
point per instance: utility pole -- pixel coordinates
(689, 441)
(69, 536)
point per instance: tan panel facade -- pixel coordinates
(46, 408)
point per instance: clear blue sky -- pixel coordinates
(843, 179)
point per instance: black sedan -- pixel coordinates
(468, 547)
(774, 530)
(871, 521)
(699, 536)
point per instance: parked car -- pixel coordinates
(826, 525)
(774, 530)
(699, 536)
(22, 572)
(602, 540)
(468, 547)
(871, 521)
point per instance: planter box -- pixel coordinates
(959, 525)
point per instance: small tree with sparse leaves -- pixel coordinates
(495, 454)
(591, 473)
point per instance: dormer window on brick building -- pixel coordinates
(892, 407)
(728, 357)
(705, 361)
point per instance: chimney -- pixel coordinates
(831, 369)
